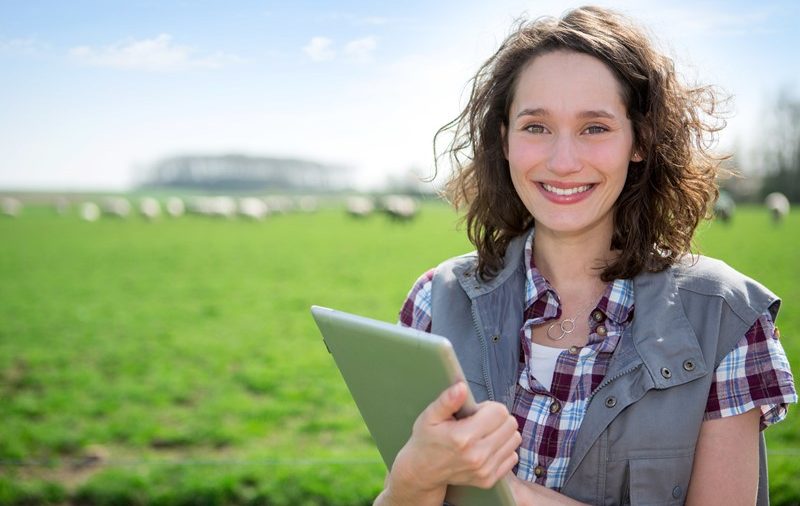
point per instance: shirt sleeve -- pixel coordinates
(754, 374)
(416, 311)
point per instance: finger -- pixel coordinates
(448, 402)
(489, 417)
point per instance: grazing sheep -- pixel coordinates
(360, 207)
(11, 206)
(724, 207)
(223, 207)
(279, 204)
(117, 206)
(400, 207)
(778, 206)
(253, 208)
(175, 207)
(90, 211)
(308, 204)
(150, 208)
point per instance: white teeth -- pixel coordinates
(566, 191)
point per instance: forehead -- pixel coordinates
(567, 81)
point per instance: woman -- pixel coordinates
(616, 367)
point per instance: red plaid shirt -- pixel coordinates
(754, 374)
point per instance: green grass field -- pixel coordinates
(176, 362)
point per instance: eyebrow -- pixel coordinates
(590, 114)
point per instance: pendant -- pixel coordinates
(567, 326)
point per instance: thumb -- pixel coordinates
(448, 403)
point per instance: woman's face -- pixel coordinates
(569, 143)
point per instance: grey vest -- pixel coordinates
(636, 443)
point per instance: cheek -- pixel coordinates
(523, 156)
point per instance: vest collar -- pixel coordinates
(474, 287)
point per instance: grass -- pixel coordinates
(175, 362)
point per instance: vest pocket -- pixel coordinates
(660, 480)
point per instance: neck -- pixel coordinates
(572, 263)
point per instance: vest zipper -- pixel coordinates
(484, 354)
(606, 381)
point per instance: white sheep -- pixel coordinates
(175, 207)
(117, 206)
(360, 207)
(150, 208)
(253, 208)
(400, 207)
(778, 206)
(90, 211)
(10, 206)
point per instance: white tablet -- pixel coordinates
(393, 373)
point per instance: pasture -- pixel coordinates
(175, 361)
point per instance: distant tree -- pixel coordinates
(781, 148)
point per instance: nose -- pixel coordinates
(563, 159)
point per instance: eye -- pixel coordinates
(534, 129)
(596, 129)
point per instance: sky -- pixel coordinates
(93, 93)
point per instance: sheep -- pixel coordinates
(10, 206)
(308, 204)
(400, 207)
(175, 207)
(253, 208)
(360, 207)
(778, 206)
(150, 208)
(117, 206)
(90, 211)
(724, 207)
(224, 207)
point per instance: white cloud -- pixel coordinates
(319, 49)
(360, 50)
(156, 54)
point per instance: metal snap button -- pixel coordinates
(677, 492)
(688, 365)
(601, 330)
(538, 471)
(555, 407)
(598, 316)
(666, 373)
(573, 350)
(611, 401)
(495, 338)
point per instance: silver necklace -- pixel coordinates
(566, 326)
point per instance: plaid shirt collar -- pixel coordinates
(542, 303)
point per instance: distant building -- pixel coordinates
(246, 173)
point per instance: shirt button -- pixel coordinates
(538, 471)
(555, 407)
(601, 330)
(677, 492)
(573, 350)
(598, 316)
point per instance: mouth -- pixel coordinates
(566, 192)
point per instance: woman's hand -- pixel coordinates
(477, 450)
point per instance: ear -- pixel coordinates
(504, 139)
(636, 157)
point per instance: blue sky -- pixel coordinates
(93, 93)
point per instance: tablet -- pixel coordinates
(393, 373)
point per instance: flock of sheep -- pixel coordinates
(398, 207)
(150, 208)
(776, 203)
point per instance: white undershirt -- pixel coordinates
(543, 363)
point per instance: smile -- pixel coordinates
(566, 191)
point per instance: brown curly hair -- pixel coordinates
(665, 195)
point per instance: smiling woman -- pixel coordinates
(615, 366)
